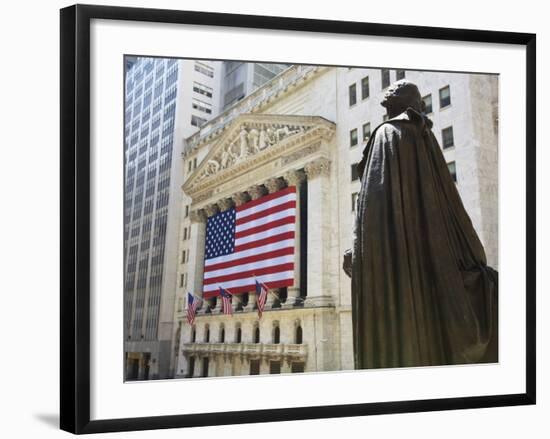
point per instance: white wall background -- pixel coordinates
(29, 183)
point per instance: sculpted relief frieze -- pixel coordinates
(251, 144)
(249, 141)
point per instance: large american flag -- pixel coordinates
(254, 241)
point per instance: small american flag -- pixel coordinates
(254, 240)
(191, 308)
(261, 296)
(226, 301)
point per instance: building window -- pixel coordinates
(354, 172)
(191, 367)
(189, 165)
(202, 89)
(238, 335)
(428, 104)
(205, 367)
(276, 334)
(184, 233)
(254, 367)
(352, 95)
(182, 279)
(385, 78)
(297, 367)
(195, 163)
(299, 334)
(354, 201)
(183, 257)
(447, 136)
(399, 74)
(256, 334)
(274, 367)
(365, 92)
(222, 334)
(353, 137)
(199, 105)
(207, 334)
(444, 97)
(452, 170)
(186, 211)
(366, 131)
(193, 335)
(204, 69)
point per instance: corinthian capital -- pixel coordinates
(225, 204)
(274, 184)
(317, 167)
(197, 216)
(294, 177)
(240, 198)
(211, 209)
(256, 192)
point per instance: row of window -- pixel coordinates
(365, 86)
(275, 334)
(447, 136)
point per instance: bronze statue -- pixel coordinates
(422, 293)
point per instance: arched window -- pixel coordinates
(206, 334)
(222, 334)
(256, 333)
(276, 333)
(238, 334)
(193, 334)
(298, 336)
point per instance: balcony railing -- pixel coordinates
(294, 351)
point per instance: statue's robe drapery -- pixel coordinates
(422, 293)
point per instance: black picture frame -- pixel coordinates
(75, 217)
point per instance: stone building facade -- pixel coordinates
(306, 128)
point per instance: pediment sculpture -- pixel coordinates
(249, 141)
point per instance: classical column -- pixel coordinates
(286, 365)
(212, 365)
(245, 366)
(295, 178)
(197, 371)
(318, 233)
(264, 366)
(196, 247)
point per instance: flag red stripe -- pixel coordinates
(259, 257)
(258, 271)
(266, 226)
(265, 198)
(265, 241)
(266, 212)
(252, 288)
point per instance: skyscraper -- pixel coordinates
(165, 100)
(239, 79)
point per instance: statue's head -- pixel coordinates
(401, 95)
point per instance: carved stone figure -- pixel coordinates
(253, 139)
(422, 293)
(243, 143)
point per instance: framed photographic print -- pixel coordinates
(274, 218)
